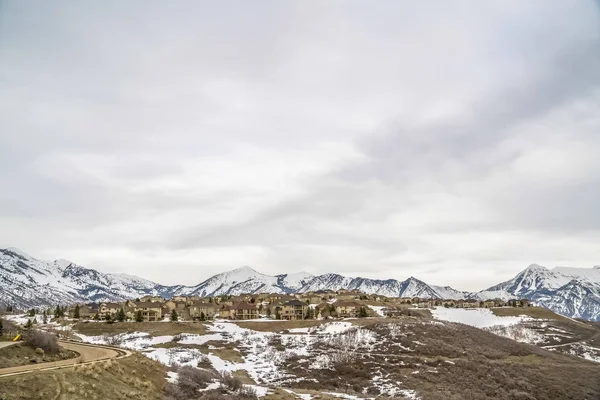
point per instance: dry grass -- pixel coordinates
(22, 354)
(280, 326)
(535, 312)
(153, 328)
(134, 377)
(453, 361)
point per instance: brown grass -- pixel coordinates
(153, 328)
(535, 312)
(134, 377)
(22, 354)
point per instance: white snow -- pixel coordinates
(477, 317)
(378, 310)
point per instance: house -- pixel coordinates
(226, 312)
(313, 298)
(87, 311)
(109, 308)
(151, 311)
(470, 303)
(293, 310)
(489, 304)
(347, 309)
(243, 311)
(202, 310)
(153, 299)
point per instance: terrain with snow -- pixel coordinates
(27, 282)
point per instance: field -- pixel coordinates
(153, 328)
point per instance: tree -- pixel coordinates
(362, 312)
(28, 324)
(1, 327)
(97, 317)
(139, 317)
(269, 312)
(108, 318)
(31, 313)
(174, 316)
(202, 316)
(277, 314)
(210, 300)
(121, 315)
(253, 300)
(76, 312)
(45, 317)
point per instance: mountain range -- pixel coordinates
(27, 282)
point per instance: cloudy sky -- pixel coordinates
(454, 141)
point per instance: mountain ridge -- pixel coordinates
(28, 282)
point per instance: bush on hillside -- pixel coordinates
(42, 340)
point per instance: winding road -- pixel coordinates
(88, 353)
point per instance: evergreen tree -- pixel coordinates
(139, 317)
(174, 316)
(1, 328)
(45, 316)
(31, 313)
(76, 312)
(277, 314)
(108, 318)
(269, 312)
(121, 315)
(210, 300)
(362, 312)
(57, 312)
(97, 317)
(202, 316)
(253, 300)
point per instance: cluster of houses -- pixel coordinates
(318, 304)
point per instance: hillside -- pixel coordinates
(412, 358)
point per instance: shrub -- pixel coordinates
(42, 340)
(231, 382)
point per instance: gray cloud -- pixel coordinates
(435, 140)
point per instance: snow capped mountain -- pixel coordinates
(27, 282)
(247, 280)
(573, 292)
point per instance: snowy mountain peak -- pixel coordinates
(62, 263)
(536, 267)
(17, 251)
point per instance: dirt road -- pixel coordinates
(87, 354)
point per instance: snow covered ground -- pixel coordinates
(477, 317)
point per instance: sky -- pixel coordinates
(454, 141)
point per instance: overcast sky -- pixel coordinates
(457, 142)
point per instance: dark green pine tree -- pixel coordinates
(57, 312)
(1, 328)
(362, 312)
(139, 317)
(174, 316)
(121, 315)
(202, 316)
(45, 317)
(76, 312)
